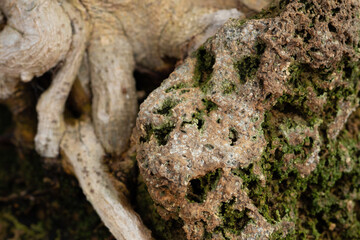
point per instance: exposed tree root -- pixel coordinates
(84, 152)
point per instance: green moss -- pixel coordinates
(176, 87)
(275, 200)
(247, 67)
(296, 105)
(248, 177)
(166, 107)
(228, 87)
(161, 133)
(285, 190)
(281, 235)
(184, 91)
(149, 132)
(199, 187)
(197, 119)
(234, 221)
(331, 188)
(303, 76)
(209, 105)
(203, 69)
(317, 204)
(348, 91)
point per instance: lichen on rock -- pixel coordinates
(241, 136)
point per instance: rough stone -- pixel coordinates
(231, 139)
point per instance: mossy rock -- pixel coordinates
(265, 140)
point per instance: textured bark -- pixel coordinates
(36, 37)
(85, 154)
(235, 140)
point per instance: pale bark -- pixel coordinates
(84, 153)
(37, 36)
(51, 105)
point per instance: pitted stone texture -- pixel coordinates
(209, 117)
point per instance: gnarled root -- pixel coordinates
(84, 153)
(7, 86)
(114, 104)
(50, 107)
(35, 38)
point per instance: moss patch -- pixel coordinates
(161, 133)
(203, 69)
(199, 187)
(318, 204)
(166, 107)
(198, 117)
(149, 132)
(228, 87)
(176, 87)
(247, 67)
(234, 221)
(209, 105)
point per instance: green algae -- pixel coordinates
(149, 132)
(166, 107)
(234, 220)
(332, 186)
(209, 105)
(228, 87)
(247, 67)
(176, 87)
(205, 61)
(161, 132)
(199, 187)
(198, 117)
(308, 201)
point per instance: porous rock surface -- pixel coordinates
(230, 140)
